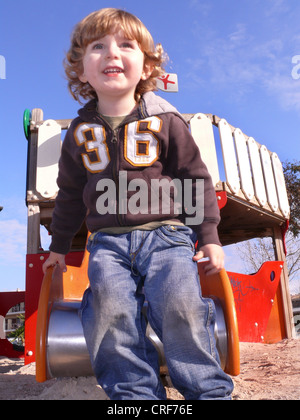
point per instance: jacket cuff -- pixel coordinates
(60, 245)
(207, 233)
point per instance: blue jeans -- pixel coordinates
(124, 361)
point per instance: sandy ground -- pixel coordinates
(268, 372)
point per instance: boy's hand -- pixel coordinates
(54, 259)
(216, 256)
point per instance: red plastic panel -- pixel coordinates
(7, 301)
(222, 199)
(254, 298)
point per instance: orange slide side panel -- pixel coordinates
(255, 299)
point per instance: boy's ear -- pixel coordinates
(148, 69)
(83, 78)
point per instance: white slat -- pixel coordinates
(280, 185)
(229, 157)
(259, 184)
(269, 178)
(244, 164)
(48, 154)
(202, 131)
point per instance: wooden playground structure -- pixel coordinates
(251, 193)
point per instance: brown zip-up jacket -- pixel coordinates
(115, 178)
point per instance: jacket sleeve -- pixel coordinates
(189, 166)
(70, 211)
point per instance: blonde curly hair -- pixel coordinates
(99, 24)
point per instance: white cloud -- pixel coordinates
(13, 231)
(276, 7)
(200, 6)
(14, 207)
(239, 36)
(233, 262)
(243, 62)
(286, 89)
(295, 287)
(13, 236)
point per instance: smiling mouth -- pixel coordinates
(113, 70)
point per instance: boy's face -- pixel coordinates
(114, 65)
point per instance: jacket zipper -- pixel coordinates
(114, 141)
(115, 136)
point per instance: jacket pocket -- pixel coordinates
(94, 240)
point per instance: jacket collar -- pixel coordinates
(150, 105)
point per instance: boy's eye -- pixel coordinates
(126, 45)
(97, 46)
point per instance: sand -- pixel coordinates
(268, 372)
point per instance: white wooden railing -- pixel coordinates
(252, 173)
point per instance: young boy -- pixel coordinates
(125, 140)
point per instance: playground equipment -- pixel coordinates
(7, 301)
(253, 202)
(60, 345)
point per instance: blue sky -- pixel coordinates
(233, 59)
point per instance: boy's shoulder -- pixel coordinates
(153, 104)
(87, 112)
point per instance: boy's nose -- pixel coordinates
(112, 51)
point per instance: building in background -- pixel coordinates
(13, 319)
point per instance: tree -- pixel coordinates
(292, 178)
(257, 251)
(18, 335)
